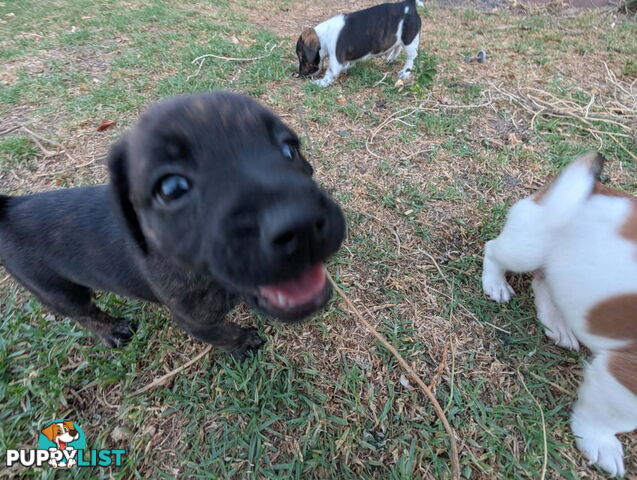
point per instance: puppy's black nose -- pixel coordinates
(293, 228)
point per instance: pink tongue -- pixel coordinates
(298, 291)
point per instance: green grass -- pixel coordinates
(322, 399)
(16, 151)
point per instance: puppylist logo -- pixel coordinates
(62, 444)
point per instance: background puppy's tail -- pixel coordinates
(573, 187)
(416, 2)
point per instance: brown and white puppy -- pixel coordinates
(346, 38)
(580, 238)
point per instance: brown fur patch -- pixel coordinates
(601, 189)
(623, 366)
(629, 229)
(615, 317)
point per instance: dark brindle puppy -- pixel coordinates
(210, 202)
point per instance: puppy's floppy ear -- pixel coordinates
(117, 161)
(50, 432)
(311, 45)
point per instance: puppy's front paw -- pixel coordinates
(497, 288)
(251, 342)
(323, 82)
(118, 335)
(603, 450)
(404, 73)
(563, 337)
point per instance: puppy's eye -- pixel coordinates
(287, 151)
(172, 187)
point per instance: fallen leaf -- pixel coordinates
(341, 100)
(106, 124)
(399, 83)
(405, 382)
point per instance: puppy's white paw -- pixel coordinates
(562, 336)
(497, 288)
(323, 82)
(603, 450)
(404, 73)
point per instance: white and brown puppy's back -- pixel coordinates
(346, 38)
(581, 240)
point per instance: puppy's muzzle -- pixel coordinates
(296, 234)
(291, 229)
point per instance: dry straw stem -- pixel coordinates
(202, 58)
(539, 407)
(617, 109)
(421, 107)
(455, 462)
(163, 379)
(37, 137)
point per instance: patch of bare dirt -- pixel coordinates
(290, 21)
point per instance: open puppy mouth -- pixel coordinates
(298, 297)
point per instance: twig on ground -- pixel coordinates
(444, 277)
(439, 370)
(227, 59)
(202, 58)
(455, 462)
(381, 80)
(588, 107)
(10, 129)
(579, 115)
(163, 379)
(623, 147)
(36, 137)
(410, 111)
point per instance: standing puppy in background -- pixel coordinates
(349, 37)
(580, 238)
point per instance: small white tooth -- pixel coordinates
(280, 299)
